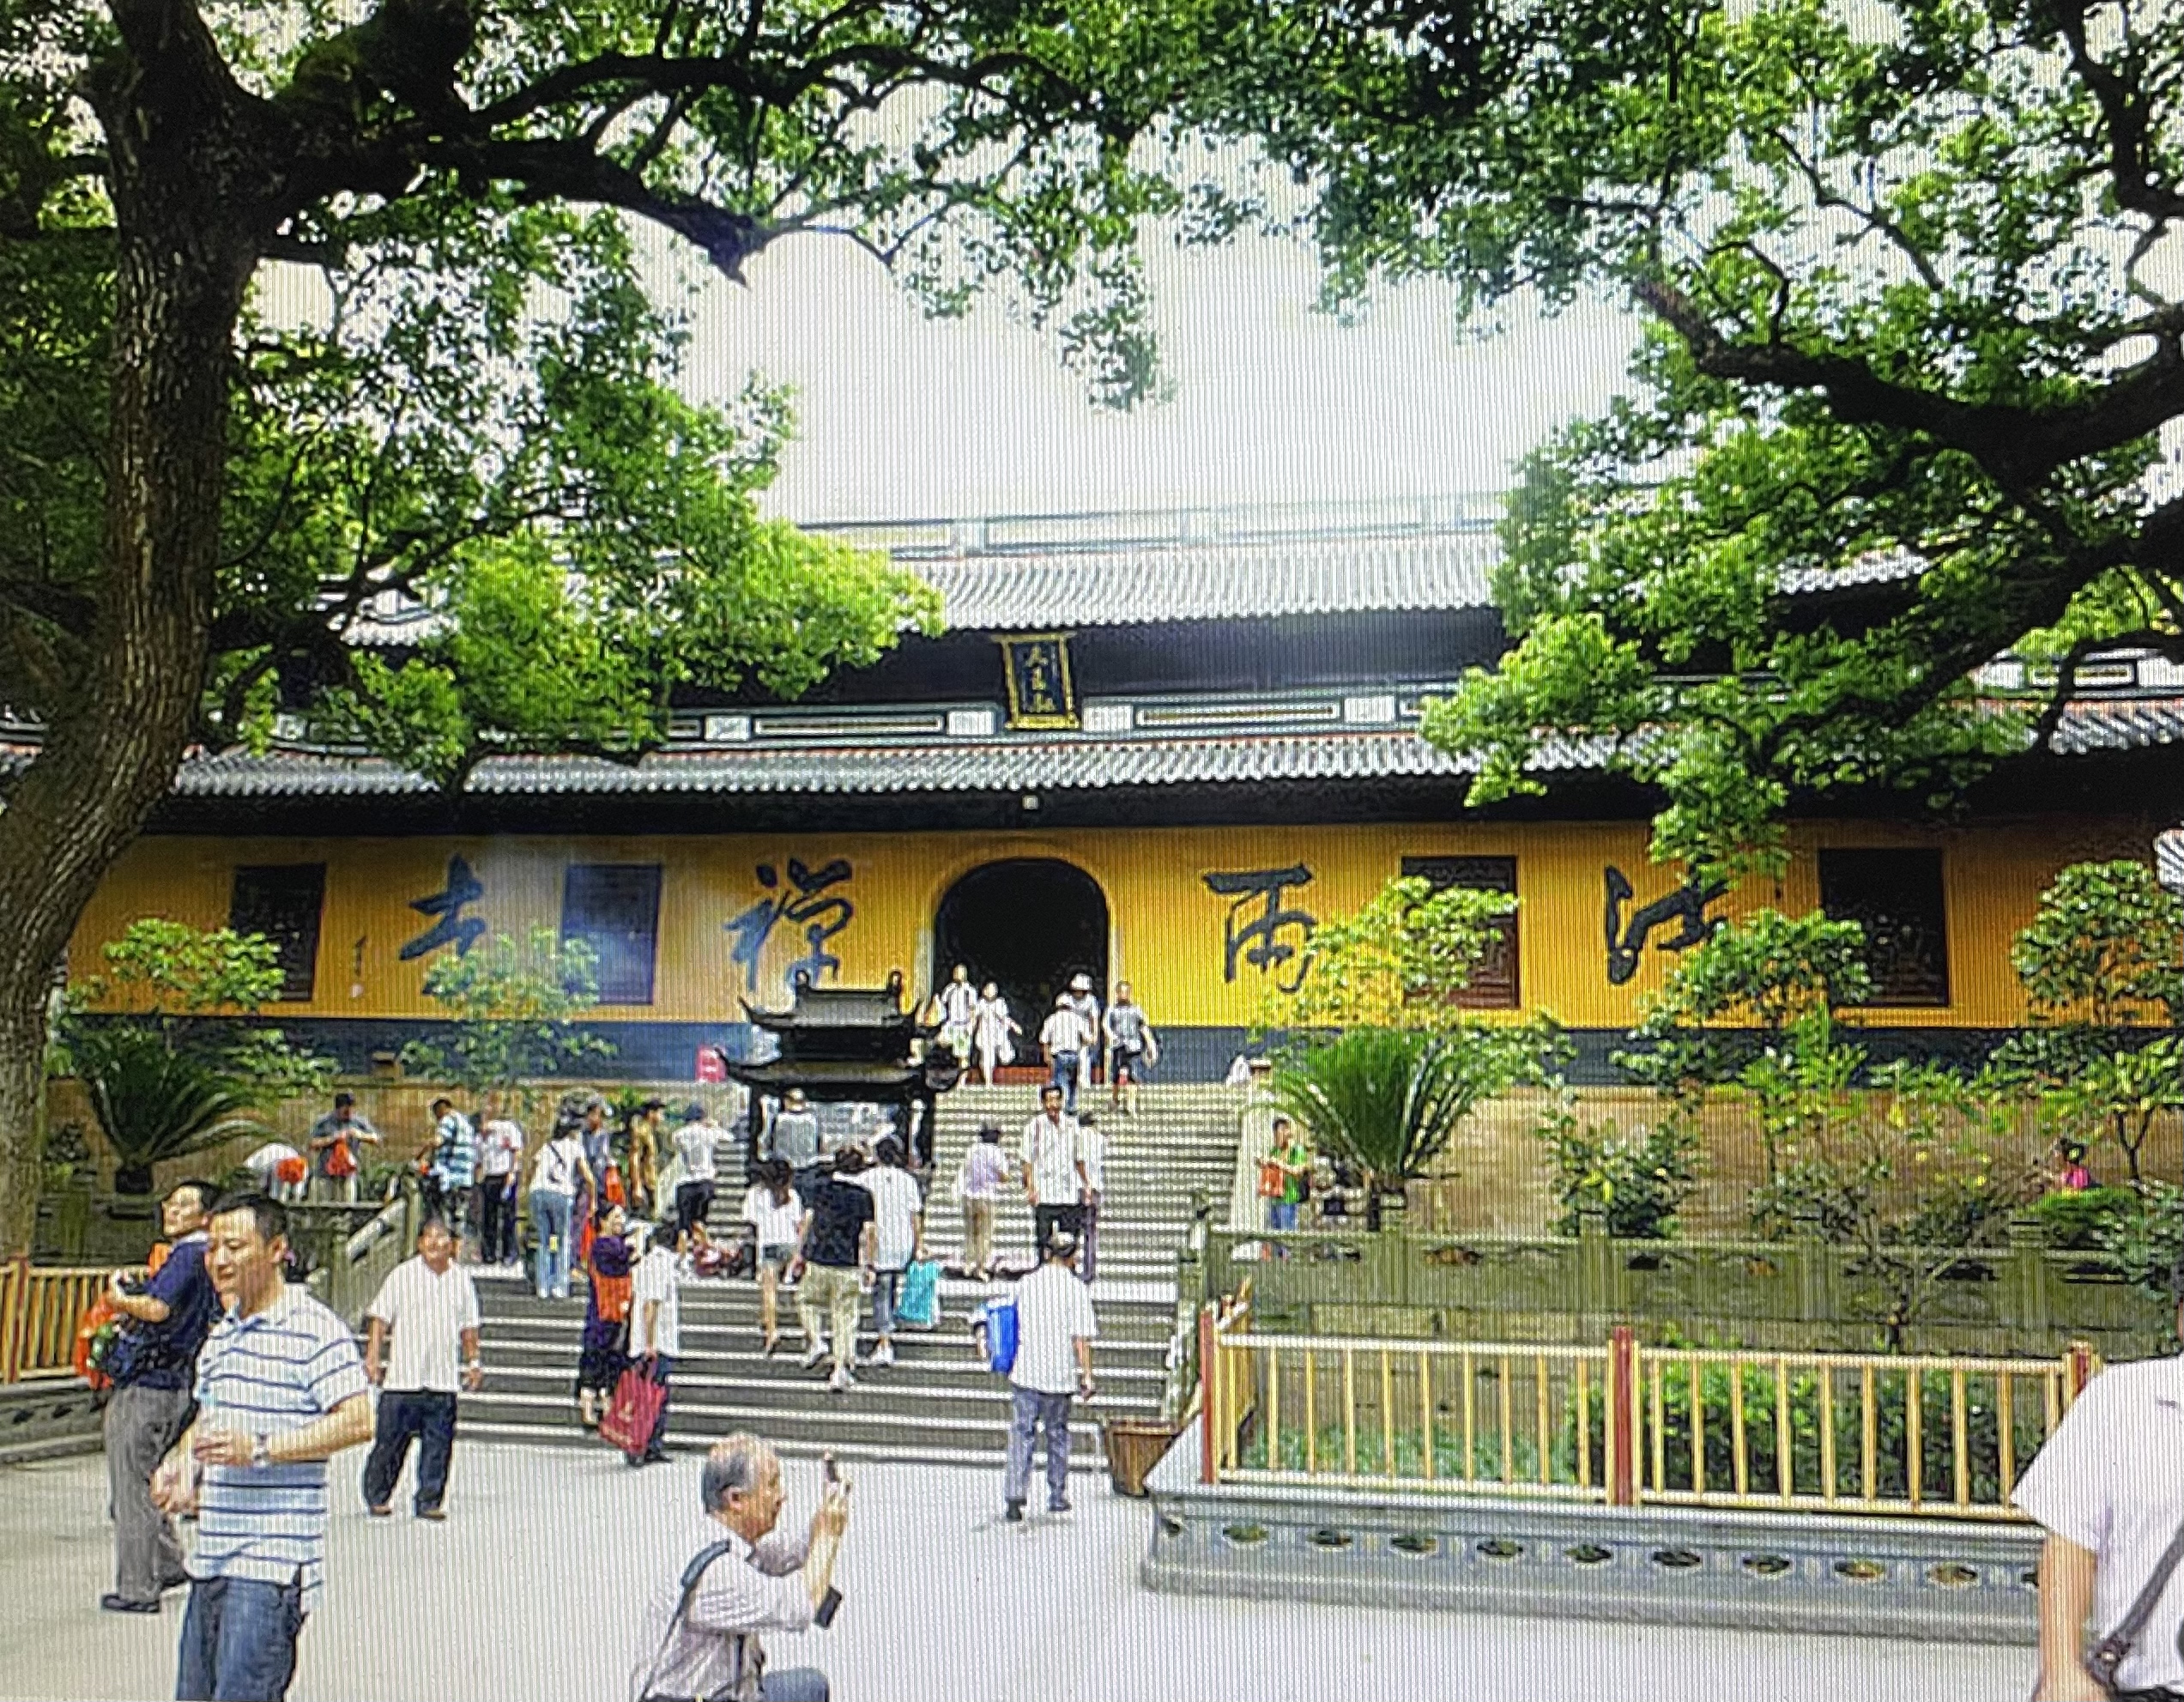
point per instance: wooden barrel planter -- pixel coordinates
(1134, 1446)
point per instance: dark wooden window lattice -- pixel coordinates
(1896, 896)
(283, 901)
(1494, 987)
(614, 908)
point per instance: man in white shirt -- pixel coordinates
(795, 1138)
(432, 1305)
(700, 1636)
(656, 1329)
(1064, 1037)
(2109, 1485)
(500, 1158)
(697, 1143)
(1054, 1330)
(1053, 1177)
(899, 1229)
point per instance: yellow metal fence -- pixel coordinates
(1619, 1423)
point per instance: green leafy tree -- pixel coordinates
(1403, 962)
(1911, 339)
(209, 500)
(2105, 948)
(516, 1010)
(2100, 962)
(1636, 1181)
(185, 1066)
(1911, 1178)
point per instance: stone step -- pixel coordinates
(706, 1307)
(791, 1398)
(844, 1421)
(1086, 1455)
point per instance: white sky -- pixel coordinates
(900, 417)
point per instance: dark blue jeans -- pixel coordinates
(1061, 1073)
(660, 1367)
(239, 1640)
(407, 1415)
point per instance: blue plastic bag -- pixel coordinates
(919, 1302)
(998, 1320)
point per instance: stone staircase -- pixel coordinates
(937, 1402)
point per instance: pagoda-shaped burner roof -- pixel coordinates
(819, 1009)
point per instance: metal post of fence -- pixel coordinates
(1622, 1416)
(1208, 1374)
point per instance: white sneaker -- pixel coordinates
(884, 1355)
(813, 1354)
(841, 1382)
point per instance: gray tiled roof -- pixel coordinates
(2120, 723)
(1051, 763)
(1005, 591)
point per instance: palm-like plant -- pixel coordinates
(1389, 1101)
(153, 1101)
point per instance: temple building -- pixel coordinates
(1155, 747)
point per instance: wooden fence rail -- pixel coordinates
(1620, 1423)
(40, 1307)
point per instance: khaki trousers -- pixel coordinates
(977, 1234)
(832, 1290)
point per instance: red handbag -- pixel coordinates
(636, 1409)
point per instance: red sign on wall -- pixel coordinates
(712, 1067)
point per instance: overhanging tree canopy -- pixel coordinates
(1914, 288)
(203, 502)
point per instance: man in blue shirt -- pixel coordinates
(454, 1169)
(280, 1389)
(153, 1366)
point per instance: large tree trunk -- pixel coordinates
(183, 260)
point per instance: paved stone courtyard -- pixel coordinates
(529, 1593)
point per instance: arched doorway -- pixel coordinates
(1027, 923)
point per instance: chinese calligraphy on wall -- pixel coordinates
(1629, 935)
(451, 927)
(806, 901)
(1272, 937)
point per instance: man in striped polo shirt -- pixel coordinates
(280, 1389)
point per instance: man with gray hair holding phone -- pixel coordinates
(701, 1630)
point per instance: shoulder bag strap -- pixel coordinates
(2107, 1656)
(692, 1575)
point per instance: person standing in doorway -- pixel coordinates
(1129, 1048)
(985, 1167)
(431, 1304)
(557, 1174)
(1086, 1004)
(153, 1366)
(1064, 1037)
(796, 1139)
(336, 1141)
(697, 1145)
(1053, 1180)
(836, 1248)
(958, 1011)
(993, 1031)
(655, 1326)
(898, 1237)
(1055, 1331)
(500, 1162)
(281, 1390)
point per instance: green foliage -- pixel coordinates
(2105, 949)
(153, 1101)
(198, 991)
(1403, 962)
(1389, 1101)
(1905, 371)
(1637, 1182)
(2148, 1243)
(1911, 1175)
(2083, 1218)
(515, 1010)
(2101, 957)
